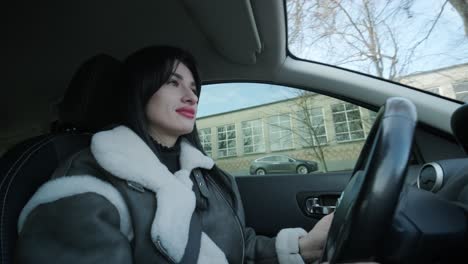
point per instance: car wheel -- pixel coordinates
(301, 169)
(260, 172)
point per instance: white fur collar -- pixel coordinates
(121, 152)
(113, 148)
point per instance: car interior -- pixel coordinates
(405, 201)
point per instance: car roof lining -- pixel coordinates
(231, 30)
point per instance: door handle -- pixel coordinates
(313, 206)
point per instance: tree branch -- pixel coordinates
(413, 49)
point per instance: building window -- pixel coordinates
(280, 132)
(227, 141)
(461, 91)
(253, 136)
(311, 127)
(205, 139)
(347, 121)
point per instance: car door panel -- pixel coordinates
(276, 165)
(290, 165)
(275, 202)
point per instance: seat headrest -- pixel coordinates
(94, 97)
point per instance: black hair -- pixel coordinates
(144, 72)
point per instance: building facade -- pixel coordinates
(310, 126)
(336, 128)
(449, 82)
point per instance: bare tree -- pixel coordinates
(370, 35)
(309, 129)
(309, 122)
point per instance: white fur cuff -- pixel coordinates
(287, 245)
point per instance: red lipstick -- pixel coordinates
(187, 112)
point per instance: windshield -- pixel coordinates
(420, 43)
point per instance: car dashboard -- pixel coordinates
(431, 219)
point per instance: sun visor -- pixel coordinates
(229, 26)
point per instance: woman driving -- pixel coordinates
(145, 192)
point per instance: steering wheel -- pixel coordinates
(365, 210)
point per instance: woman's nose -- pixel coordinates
(190, 97)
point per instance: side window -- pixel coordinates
(273, 126)
(205, 139)
(347, 122)
(311, 127)
(270, 158)
(254, 141)
(283, 159)
(227, 140)
(281, 136)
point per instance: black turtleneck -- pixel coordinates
(169, 156)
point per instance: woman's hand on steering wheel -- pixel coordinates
(311, 245)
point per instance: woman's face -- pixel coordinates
(171, 111)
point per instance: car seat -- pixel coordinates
(87, 106)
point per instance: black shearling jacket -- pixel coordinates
(116, 203)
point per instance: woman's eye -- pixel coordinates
(173, 82)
